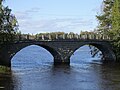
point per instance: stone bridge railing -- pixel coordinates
(63, 37)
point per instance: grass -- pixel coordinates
(4, 69)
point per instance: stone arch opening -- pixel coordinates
(31, 55)
(105, 50)
(83, 55)
(52, 52)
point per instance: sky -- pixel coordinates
(38, 16)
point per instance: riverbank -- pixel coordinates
(4, 69)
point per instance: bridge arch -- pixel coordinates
(51, 50)
(83, 55)
(31, 49)
(108, 54)
(12, 49)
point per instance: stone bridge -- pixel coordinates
(60, 49)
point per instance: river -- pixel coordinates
(33, 69)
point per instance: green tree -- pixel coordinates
(116, 19)
(115, 32)
(109, 22)
(8, 24)
(105, 17)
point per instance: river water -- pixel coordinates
(33, 69)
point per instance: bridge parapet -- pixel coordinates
(62, 37)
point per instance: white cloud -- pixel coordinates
(66, 25)
(33, 10)
(28, 24)
(27, 14)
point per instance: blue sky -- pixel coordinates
(36, 16)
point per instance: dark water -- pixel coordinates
(33, 69)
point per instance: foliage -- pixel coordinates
(95, 52)
(8, 24)
(109, 22)
(105, 17)
(116, 26)
(116, 19)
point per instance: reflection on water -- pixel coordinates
(33, 69)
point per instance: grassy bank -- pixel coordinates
(4, 69)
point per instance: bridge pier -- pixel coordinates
(5, 57)
(61, 62)
(5, 62)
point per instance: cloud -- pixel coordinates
(27, 14)
(22, 15)
(28, 24)
(33, 10)
(53, 25)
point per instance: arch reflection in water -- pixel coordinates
(83, 55)
(31, 56)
